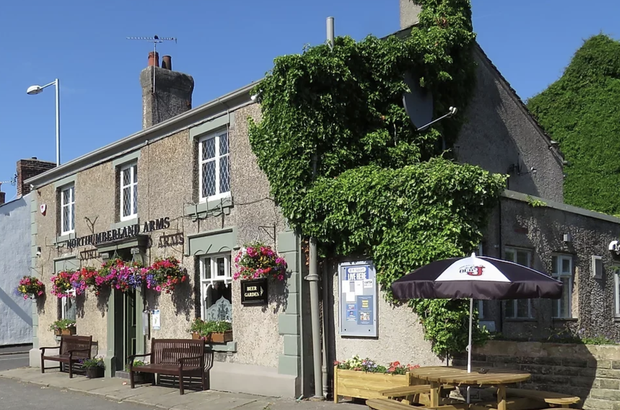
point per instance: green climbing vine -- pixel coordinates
(346, 165)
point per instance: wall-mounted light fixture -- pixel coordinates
(567, 238)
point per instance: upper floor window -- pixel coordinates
(214, 166)
(67, 210)
(563, 271)
(129, 192)
(615, 269)
(518, 308)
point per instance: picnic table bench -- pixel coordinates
(175, 357)
(72, 350)
(558, 399)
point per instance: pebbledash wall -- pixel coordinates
(266, 354)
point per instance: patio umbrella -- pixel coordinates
(475, 277)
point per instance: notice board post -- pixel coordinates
(357, 285)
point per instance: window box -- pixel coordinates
(215, 337)
(70, 331)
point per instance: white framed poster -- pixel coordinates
(357, 286)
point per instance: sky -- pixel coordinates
(224, 45)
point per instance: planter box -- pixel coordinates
(65, 332)
(364, 385)
(94, 372)
(220, 337)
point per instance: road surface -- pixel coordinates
(15, 395)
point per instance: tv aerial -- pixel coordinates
(155, 40)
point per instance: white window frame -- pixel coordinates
(217, 159)
(558, 274)
(206, 283)
(133, 190)
(63, 303)
(514, 302)
(71, 206)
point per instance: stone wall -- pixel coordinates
(591, 372)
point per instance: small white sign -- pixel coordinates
(156, 320)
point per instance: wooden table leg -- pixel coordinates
(501, 397)
(434, 395)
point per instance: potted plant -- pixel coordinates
(211, 331)
(364, 378)
(64, 327)
(29, 286)
(94, 367)
(140, 377)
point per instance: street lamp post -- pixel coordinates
(36, 89)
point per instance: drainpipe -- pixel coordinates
(326, 323)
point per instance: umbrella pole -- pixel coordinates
(469, 346)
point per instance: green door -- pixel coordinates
(130, 323)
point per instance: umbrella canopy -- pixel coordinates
(476, 277)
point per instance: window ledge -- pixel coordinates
(214, 207)
(228, 347)
(122, 224)
(617, 319)
(569, 319)
(65, 237)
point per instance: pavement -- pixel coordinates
(119, 390)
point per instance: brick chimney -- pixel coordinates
(165, 93)
(409, 11)
(28, 168)
(2, 197)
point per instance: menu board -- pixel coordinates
(358, 299)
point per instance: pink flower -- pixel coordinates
(158, 288)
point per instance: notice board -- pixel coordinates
(357, 284)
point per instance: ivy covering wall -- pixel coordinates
(580, 111)
(346, 165)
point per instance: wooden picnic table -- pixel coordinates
(458, 376)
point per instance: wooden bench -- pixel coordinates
(388, 404)
(72, 349)
(558, 399)
(175, 357)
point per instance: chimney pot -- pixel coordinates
(153, 59)
(166, 62)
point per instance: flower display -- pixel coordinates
(257, 260)
(30, 286)
(368, 365)
(165, 275)
(61, 284)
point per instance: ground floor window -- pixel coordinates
(518, 308)
(616, 272)
(68, 309)
(216, 288)
(563, 271)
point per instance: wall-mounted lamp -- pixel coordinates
(38, 251)
(566, 238)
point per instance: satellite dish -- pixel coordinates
(418, 102)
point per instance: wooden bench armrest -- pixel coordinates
(131, 358)
(48, 347)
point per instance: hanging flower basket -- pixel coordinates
(257, 260)
(31, 287)
(164, 275)
(61, 284)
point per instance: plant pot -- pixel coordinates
(195, 335)
(365, 385)
(70, 331)
(219, 337)
(94, 372)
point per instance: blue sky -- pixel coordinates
(225, 45)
